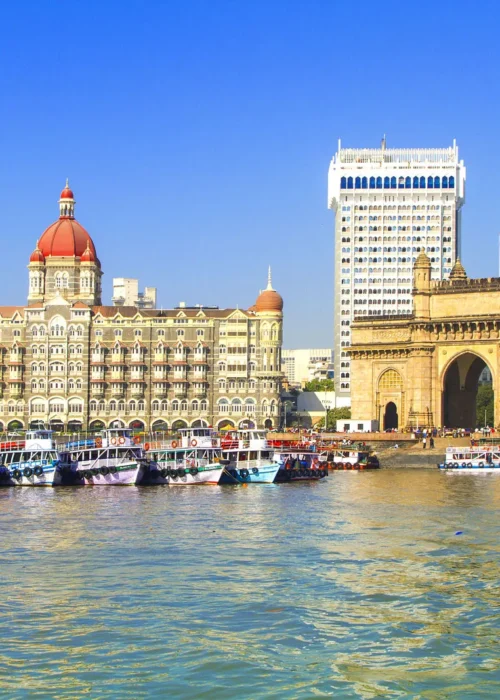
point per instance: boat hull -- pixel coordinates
(474, 469)
(262, 474)
(51, 476)
(125, 475)
(285, 476)
(162, 475)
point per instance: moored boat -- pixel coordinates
(247, 459)
(306, 466)
(33, 461)
(113, 458)
(483, 459)
(184, 461)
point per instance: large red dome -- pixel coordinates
(65, 237)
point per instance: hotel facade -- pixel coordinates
(69, 363)
(389, 204)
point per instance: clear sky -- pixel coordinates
(197, 134)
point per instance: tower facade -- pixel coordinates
(389, 204)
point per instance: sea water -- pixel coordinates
(354, 587)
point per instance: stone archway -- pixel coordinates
(391, 418)
(460, 387)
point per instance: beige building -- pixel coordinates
(68, 362)
(423, 370)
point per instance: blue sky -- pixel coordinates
(197, 135)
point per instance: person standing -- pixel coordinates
(424, 441)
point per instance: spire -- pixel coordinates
(269, 280)
(458, 271)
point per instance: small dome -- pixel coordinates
(67, 193)
(269, 299)
(88, 254)
(37, 255)
(458, 271)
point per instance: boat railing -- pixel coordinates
(12, 445)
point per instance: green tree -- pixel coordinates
(320, 385)
(484, 402)
(334, 414)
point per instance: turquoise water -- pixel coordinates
(354, 587)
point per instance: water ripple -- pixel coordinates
(351, 588)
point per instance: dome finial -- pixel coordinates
(269, 280)
(67, 182)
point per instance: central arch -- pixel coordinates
(391, 418)
(460, 391)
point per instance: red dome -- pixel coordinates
(66, 237)
(269, 300)
(67, 193)
(37, 256)
(88, 255)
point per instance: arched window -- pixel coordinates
(175, 406)
(343, 183)
(112, 405)
(451, 182)
(379, 183)
(393, 182)
(349, 183)
(401, 183)
(387, 183)
(422, 182)
(357, 183)
(155, 405)
(364, 183)
(437, 183)
(203, 405)
(194, 405)
(131, 405)
(430, 182)
(408, 183)
(415, 182)
(445, 182)
(223, 405)
(236, 405)
(140, 405)
(372, 183)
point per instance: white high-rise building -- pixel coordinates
(389, 204)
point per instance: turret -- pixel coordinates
(421, 286)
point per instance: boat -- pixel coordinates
(350, 458)
(478, 459)
(33, 461)
(114, 457)
(185, 460)
(305, 466)
(246, 458)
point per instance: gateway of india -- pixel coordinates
(422, 370)
(69, 363)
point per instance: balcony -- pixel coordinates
(137, 388)
(160, 388)
(118, 389)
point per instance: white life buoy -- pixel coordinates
(113, 441)
(121, 440)
(194, 442)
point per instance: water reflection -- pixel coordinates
(354, 587)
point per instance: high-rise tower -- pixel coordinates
(389, 203)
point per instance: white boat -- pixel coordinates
(247, 458)
(484, 459)
(187, 460)
(33, 461)
(112, 458)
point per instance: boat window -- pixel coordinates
(253, 455)
(233, 456)
(264, 455)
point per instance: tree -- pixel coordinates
(334, 414)
(320, 385)
(484, 402)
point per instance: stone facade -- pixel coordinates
(70, 363)
(423, 370)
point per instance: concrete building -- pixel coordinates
(422, 370)
(68, 362)
(312, 405)
(126, 293)
(389, 203)
(303, 365)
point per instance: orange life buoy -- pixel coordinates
(113, 441)
(98, 442)
(174, 443)
(146, 446)
(121, 440)
(137, 440)
(194, 443)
